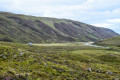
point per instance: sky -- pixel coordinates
(100, 13)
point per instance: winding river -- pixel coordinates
(91, 44)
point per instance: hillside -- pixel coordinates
(114, 41)
(23, 28)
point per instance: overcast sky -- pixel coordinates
(101, 13)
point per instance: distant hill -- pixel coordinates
(24, 28)
(114, 41)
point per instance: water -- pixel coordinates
(91, 44)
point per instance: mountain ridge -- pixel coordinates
(44, 29)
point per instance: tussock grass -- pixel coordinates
(56, 62)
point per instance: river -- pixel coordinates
(91, 44)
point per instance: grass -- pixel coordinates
(57, 61)
(114, 41)
(62, 44)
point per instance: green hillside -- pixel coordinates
(114, 41)
(24, 28)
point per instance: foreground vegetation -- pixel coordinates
(68, 61)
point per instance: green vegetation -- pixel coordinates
(114, 41)
(51, 60)
(47, 30)
(66, 61)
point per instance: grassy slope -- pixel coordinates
(43, 29)
(57, 62)
(115, 41)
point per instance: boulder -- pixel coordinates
(109, 72)
(30, 44)
(89, 69)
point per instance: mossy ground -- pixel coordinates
(56, 62)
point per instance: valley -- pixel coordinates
(43, 48)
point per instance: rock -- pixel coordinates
(98, 71)
(4, 57)
(109, 72)
(60, 71)
(64, 61)
(45, 64)
(15, 56)
(89, 69)
(21, 53)
(89, 60)
(30, 44)
(27, 74)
